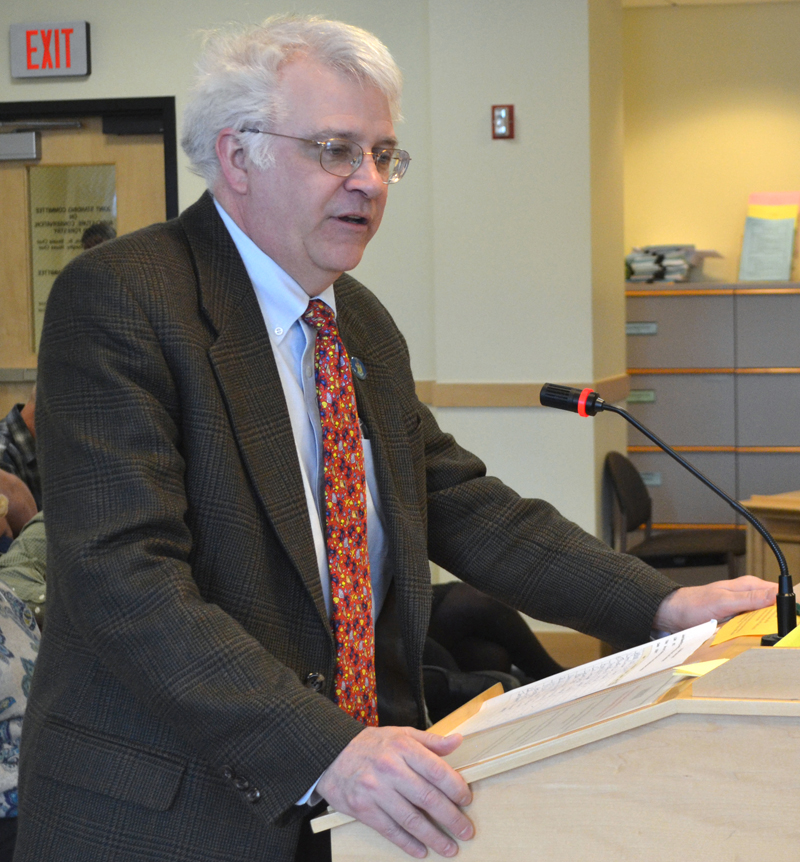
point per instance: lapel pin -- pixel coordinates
(358, 368)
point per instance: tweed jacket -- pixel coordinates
(181, 701)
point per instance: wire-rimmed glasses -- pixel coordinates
(342, 158)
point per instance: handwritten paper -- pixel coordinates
(626, 666)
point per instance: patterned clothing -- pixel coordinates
(23, 567)
(19, 644)
(345, 520)
(18, 452)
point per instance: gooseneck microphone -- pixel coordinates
(586, 403)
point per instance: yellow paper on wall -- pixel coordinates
(780, 211)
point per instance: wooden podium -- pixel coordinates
(709, 770)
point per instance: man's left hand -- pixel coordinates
(720, 600)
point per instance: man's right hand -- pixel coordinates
(394, 780)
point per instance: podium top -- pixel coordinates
(764, 683)
(789, 501)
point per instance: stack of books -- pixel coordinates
(660, 263)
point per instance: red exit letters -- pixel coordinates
(48, 49)
(45, 49)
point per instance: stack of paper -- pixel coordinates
(660, 263)
(607, 672)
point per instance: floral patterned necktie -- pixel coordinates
(345, 489)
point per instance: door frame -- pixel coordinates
(135, 116)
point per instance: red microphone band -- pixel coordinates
(582, 403)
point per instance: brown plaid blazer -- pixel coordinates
(171, 715)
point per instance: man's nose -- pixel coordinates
(366, 177)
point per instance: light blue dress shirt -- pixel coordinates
(283, 302)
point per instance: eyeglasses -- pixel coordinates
(343, 158)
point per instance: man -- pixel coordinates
(18, 445)
(205, 673)
(97, 234)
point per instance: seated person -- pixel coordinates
(19, 645)
(97, 234)
(18, 446)
(23, 567)
(17, 507)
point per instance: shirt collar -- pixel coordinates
(280, 297)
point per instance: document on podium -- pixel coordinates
(627, 666)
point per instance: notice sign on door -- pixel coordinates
(65, 203)
(50, 49)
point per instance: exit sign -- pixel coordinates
(50, 49)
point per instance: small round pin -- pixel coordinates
(358, 368)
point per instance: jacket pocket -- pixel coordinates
(101, 764)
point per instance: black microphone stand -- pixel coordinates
(589, 403)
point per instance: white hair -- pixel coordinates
(237, 80)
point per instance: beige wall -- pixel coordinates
(712, 113)
(499, 259)
(606, 153)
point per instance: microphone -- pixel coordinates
(586, 403)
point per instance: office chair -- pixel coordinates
(673, 549)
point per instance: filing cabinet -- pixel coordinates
(715, 372)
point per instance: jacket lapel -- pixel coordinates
(244, 366)
(378, 407)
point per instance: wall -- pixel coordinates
(607, 172)
(712, 113)
(513, 252)
(499, 259)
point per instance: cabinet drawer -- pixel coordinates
(767, 331)
(691, 332)
(768, 411)
(768, 473)
(681, 498)
(685, 410)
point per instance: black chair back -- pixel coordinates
(670, 549)
(630, 491)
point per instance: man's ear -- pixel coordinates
(232, 160)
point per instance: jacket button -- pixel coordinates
(227, 773)
(315, 681)
(253, 795)
(241, 783)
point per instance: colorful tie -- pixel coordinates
(345, 520)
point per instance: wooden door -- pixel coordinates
(139, 168)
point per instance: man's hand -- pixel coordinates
(394, 780)
(720, 600)
(5, 528)
(21, 505)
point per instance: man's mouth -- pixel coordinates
(353, 219)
